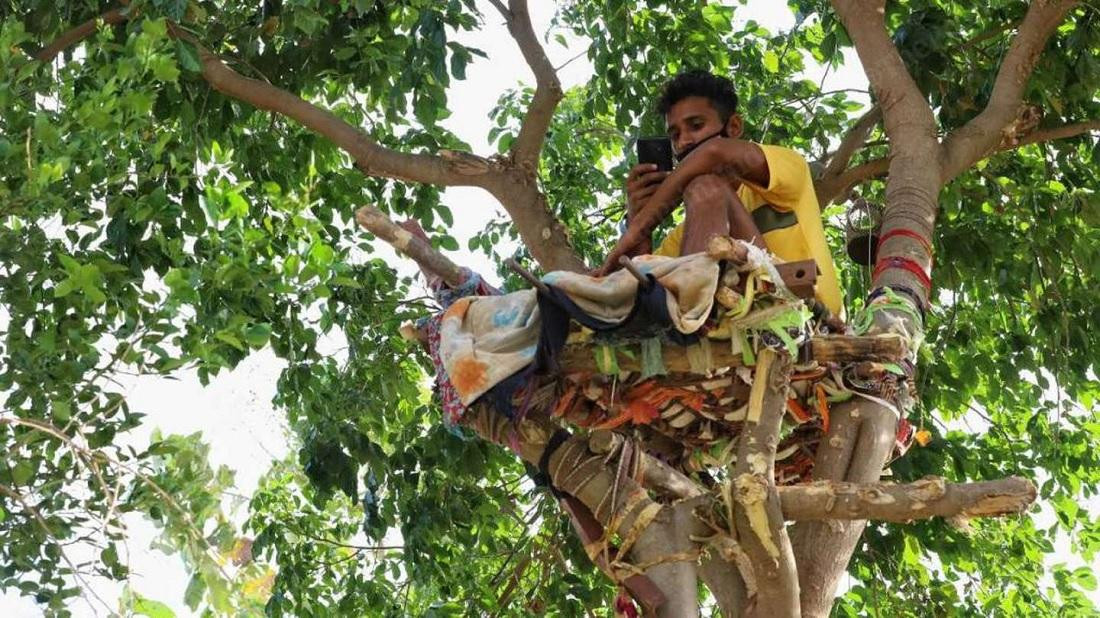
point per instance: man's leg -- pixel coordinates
(712, 208)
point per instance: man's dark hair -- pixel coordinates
(719, 90)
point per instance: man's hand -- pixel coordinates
(641, 184)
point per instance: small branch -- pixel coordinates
(853, 140)
(1054, 133)
(79, 33)
(977, 138)
(502, 9)
(336, 543)
(548, 92)
(430, 260)
(41, 521)
(527, 275)
(985, 36)
(930, 497)
(830, 189)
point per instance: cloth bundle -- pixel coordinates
(484, 340)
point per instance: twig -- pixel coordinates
(512, 264)
(626, 263)
(4, 489)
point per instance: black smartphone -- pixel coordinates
(656, 150)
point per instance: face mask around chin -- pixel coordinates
(721, 133)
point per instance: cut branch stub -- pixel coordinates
(430, 260)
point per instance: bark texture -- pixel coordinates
(758, 517)
(931, 497)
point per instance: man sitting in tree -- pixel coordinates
(758, 193)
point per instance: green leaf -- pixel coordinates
(257, 335)
(64, 288)
(164, 68)
(62, 410)
(771, 61)
(188, 56)
(231, 339)
(192, 595)
(153, 609)
(237, 206)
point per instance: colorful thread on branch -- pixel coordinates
(902, 263)
(924, 242)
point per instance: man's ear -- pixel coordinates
(735, 126)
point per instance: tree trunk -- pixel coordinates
(860, 439)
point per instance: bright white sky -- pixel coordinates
(234, 413)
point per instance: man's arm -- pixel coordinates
(735, 159)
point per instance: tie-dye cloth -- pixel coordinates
(486, 339)
(472, 285)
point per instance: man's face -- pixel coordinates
(693, 119)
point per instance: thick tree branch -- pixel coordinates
(931, 497)
(977, 138)
(823, 348)
(79, 33)
(543, 235)
(548, 92)
(906, 115)
(860, 437)
(832, 188)
(526, 205)
(457, 169)
(914, 162)
(451, 169)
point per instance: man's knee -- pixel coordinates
(707, 191)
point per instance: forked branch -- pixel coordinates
(833, 188)
(977, 138)
(371, 158)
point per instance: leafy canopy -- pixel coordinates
(152, 225)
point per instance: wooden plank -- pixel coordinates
(824, 349)
(799, 277)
